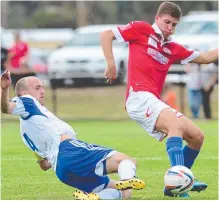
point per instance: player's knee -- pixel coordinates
(121, 156)
(134, 160)
(198, 137)
(130, 159)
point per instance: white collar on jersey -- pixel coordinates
(158, 31)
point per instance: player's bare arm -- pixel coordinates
(206, 57)
(6, 106)
(106, 39)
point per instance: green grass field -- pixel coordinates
(22, 179)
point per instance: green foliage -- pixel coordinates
(22, 178)
(55, 14)
(51, 19)
(16, 16)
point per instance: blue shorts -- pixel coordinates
(76, 164)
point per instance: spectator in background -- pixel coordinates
(18, 53)
(17, 61)
(169, 96)
(194, 88)
(208, 80)
(4, 56)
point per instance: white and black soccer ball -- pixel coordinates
(178, 179)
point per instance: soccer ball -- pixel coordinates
(178, 179)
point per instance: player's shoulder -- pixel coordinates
(141, 23)
(25, 99)
(175, 42)
(142, 27)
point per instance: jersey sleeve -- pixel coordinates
(183, 55)
(132, 31)
(19, 108)
(27, 106)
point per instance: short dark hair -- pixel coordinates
(169, 8)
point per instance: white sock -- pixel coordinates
(126, 169)
(110, 194)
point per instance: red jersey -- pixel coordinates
(20, 50)
(150, 56)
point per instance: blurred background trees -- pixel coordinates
(71, 14)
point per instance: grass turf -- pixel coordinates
(23, 179)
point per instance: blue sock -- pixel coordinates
(174, 150)
(189, 156)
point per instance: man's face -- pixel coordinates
(166, 24)
(35, 88)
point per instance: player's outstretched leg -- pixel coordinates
(80, 195)
(134, 183)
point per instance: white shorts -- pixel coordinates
(99, 170)
(145, 108)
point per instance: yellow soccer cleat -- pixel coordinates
(80, 195)
(133, 183)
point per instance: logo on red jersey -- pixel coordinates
(157, 56)
(166, 50)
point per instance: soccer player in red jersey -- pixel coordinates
(151, 53)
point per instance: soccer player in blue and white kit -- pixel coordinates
(78, 164)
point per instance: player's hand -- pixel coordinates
(5, 80)
(110, 73)
(45, 165)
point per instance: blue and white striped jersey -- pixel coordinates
(40, 129)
